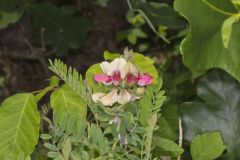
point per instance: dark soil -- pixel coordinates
(25, 66)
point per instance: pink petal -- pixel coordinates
(103, 78)
(131, 79)
(144, 79)
(116, 78)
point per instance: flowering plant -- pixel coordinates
(113, 114)
(122, 75)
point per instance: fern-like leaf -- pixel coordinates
(71, 77)
(151, 102)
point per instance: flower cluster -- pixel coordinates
(121, 74)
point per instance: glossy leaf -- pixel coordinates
(219, 109)
(61, 29)
(19, 126)
(65, 100)
(203, 47)
(207, 146)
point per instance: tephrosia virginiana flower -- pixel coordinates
(121, 74)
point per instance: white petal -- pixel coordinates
(106, 67)
(110, 98)
(124, 97)
(129, 68)
(124, 71)
(97, 96)
(134, 98)
(133, 69)
(121, 63)
(117, 64)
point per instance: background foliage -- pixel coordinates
(193, 44)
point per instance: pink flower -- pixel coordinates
(144, 79)
(107, 80)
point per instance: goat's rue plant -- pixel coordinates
(111, 114)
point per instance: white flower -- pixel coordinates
(112, 68)
(124, 96)
(129, 68)
(121, 96)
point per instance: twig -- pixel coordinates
(180, 135)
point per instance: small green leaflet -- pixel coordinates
(65, 100)
(207, 146)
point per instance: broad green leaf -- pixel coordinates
(219, 109)
(8, 18)
(167, 147)
(19, 126)
(62, 30)
(65, 100)
(203, 47)
(207, 146)
(226, 29)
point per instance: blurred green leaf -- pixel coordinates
(9, 18)
(110, 56)
(132, 38)
(139, 33)
(207, 146)
(158, 13)
(1, 81)
(219, 109)
(203, 47)
(102, 3)
(226, 29)
(8, 6)
(167, 147)
(62, 30)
